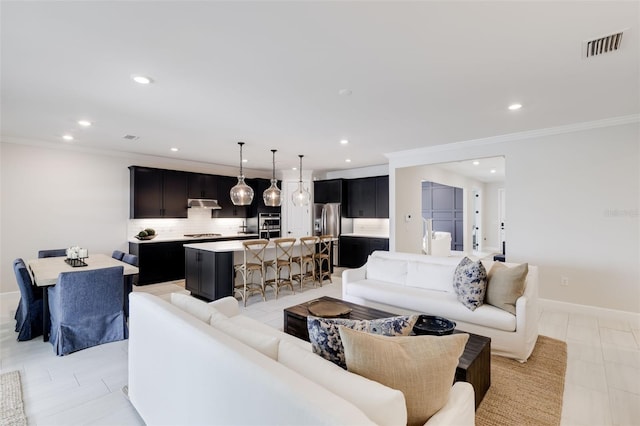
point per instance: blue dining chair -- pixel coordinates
(131, 259)
(86, 309)
(29, 312)
(130, 280)
(52, 253)
(117, 254)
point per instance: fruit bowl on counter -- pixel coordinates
(146, 234)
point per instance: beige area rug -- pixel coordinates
(529, 393)
(11, 406)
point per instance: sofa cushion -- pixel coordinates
(470, 283)
(430, 276)
(325, 338)
(383, 405)
(388, 270)
(255, 325)
(264, 343)
(505, 285)
(432, 302)
(422, 367)
(196, 307)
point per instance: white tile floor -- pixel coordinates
(602, 384)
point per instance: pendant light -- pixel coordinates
(301, 196)
(271, 195)
(241, 194)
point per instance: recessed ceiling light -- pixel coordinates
(348, 160)
(67, 137)
(514, 107)
(244, 160)
(493, 170)
(84, 123)
(294, 168)
(475, 163)
(174, 149)
(141, 79)
(344, 141)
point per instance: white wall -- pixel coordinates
(58, 197)
(573, 200)
(490, 217)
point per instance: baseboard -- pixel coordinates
(574, 308)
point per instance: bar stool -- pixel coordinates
(306, 261)
(323, 256)
(284, 254)
(253, 251)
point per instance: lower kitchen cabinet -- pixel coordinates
(208, 274)
(355, 250)
(159, 262)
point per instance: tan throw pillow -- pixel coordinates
(505, 285)
(421, 367)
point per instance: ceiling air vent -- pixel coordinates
(601, 45)
(131, 137)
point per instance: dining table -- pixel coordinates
(45, 273)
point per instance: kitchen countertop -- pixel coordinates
(226, 246)
(353, 234)
(160, 239)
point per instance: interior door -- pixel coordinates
(298, 221)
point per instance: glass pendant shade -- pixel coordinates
(301, 195)
(272, 196)
(241, 194)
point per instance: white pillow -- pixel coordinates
(382, 404)
(387, 270)
(430, 276)
(267, 345)
(196, 307)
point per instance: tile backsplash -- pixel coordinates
(371, 226)
(198, 222)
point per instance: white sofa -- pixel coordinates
(182, 370)
(413, 283)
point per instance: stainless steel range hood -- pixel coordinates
(204, 203)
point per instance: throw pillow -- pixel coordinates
(325, 337)
(422, 367)
(470, 283)
(505, 285)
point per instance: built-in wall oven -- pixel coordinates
(269, 225)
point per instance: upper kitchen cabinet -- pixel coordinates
(156, 193)
(228, 210)
(260, 185)
(368, 197)
(203, 186)
(328, 191)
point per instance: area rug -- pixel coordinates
(11, 406)
(529, 393)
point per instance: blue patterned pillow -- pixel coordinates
(470, 283)
(325, 337)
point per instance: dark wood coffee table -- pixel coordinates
(474, 365)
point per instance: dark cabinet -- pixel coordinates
(328, 191)
(368, 197)
(159, 262)
(228, 209)
(203, 186)
(209, 274)
(355, 250)
(157, 193)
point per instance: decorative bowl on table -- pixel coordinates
(433, 325)
(147, 237)
(146, 234)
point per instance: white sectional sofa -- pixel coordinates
(182, 370)
(413, 283)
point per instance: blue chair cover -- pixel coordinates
(52, 253)
(86, 309)
(131, 259)
(29, 313)
(117, 254)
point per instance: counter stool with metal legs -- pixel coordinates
(253, 263)
(282, 261)
(306, 261)
(323, 257)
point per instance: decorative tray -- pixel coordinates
(76, 263)
(433, 325)
(148, 237)
(328, 309)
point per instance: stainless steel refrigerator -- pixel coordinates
(327, 220)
